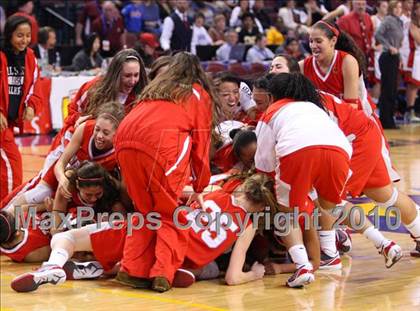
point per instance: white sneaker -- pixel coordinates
(31, 281)
(303, 275)
(392, 253)
(83, 270)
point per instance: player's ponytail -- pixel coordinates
(294, 86)
(344, 43)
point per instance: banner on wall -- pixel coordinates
(62, 91)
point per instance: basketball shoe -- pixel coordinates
(330, 263)
(391, 251)
(303, 275)
(45, 274)
(343, 241)
(416, 251)
(183, 278)
(83, 270)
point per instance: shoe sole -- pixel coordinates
(29, 282)
(125, 279)
(161, 288)
(183, 278)
(395, 260)
(415, 254)
(306, 279)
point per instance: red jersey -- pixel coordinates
(331, 81)
(175, 135)
(33, 238)
(205, 245)
(85, 152)
(354, 123)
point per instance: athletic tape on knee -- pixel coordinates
(391, 201)
(62, 235)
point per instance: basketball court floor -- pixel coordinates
(363, 284)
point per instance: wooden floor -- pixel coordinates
(363, 284)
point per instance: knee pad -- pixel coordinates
(392, 200)
(62, 235)
(38, 194)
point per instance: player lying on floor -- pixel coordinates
(251, 194)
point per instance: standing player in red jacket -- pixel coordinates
(159, 145)
(18, 97)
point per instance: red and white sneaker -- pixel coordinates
(303, 275)
(31, 281)
(183, 278)
(392, 253)
(83, 270)
(330, 263)
(343, 240)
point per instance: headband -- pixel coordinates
(334, 30)
(132, 57)
(106, 114)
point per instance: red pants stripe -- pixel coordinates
(11, 171)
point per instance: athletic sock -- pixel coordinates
(373, 235)
(299, 256)
(58, 257)
(414, 226)
(327, 242)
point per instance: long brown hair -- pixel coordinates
(176, 84)
(107, 88)
(344, 43)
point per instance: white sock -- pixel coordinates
(373, 235)
(327, 242)
(299, 255)
(414, 227)
(58, 257)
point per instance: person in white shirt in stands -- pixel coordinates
(200, 36)
(259, 52)
(176, 30)
(223, 53)
(288, 12)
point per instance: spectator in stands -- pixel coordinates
(289, 14)
(237, 13)
(249, 31)
(133, 17)
(315, 10)
(151, 17)
(223, 53)
(294, 49)
(206, 8)
(110, 27)
(342, 10)
(390, 34)
(358, 25)
(261, 14)
(91, 11)
(25, 8)
(217, 31)
(176, 31)
(200, 36)
(259, 52)
(88, 58)
(166, 8)
(276, 33)
(147, 48)
(45, 49)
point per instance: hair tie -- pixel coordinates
(334, 30)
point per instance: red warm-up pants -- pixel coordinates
(11, 173)
(150, 253)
